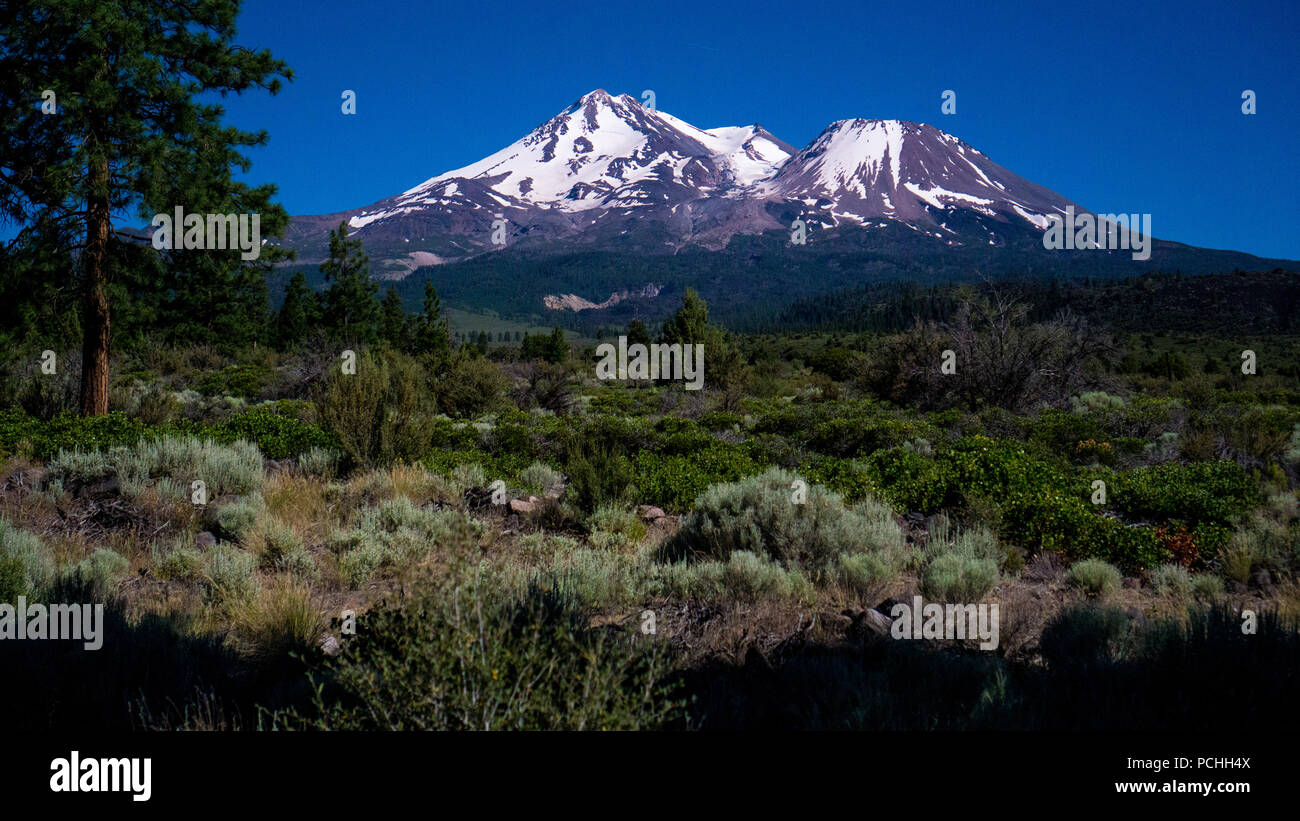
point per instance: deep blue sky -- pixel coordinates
(1131, 107)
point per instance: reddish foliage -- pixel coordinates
(1180, 543)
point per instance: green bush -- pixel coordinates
(1172, 580)
(748, 577)
(454, 658)
(1071, 526)
(868, 574)
(101, 571)
(1207, 587)
(383, 413)
(229, 574)
(1095, 577)
(67, 431)
(760, 515)
(614, 527)
(237, 517)
(541, 478)
(397, 531)
(1220, 492)
(473, 386)
(26, 564)
(675, 480)
(276, 435)
(245, 381)
(910, 481)
(225, 469)
(958, 577)
(598, 475)
(1083, 635)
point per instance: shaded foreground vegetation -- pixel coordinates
(526, 547)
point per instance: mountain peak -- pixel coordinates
(604, 164)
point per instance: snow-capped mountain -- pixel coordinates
(858, 170)
(610, 172)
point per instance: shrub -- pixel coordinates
(1083, 635)
(382, 413)
(318, 461)
(235, 518)
(230, 574)
(26, 564)
(749, 577)
(67, 431)
(235, 380)
(453, 657)
(1219, 492)
(13, 578)
(473, 387)
(180, 561)
(598, 475)
(276, 434)
(284, 618)
(674, 480)
(271, 540)
(298, 562)
(909, 480)
(224, 469)
(958, 577)
(1173, 580)
(617, 528)
(868, 574)
(100, 571)
(397, 531)
(541, 478)
(1095, 577)
(760, 515)
(591, 579)
(1239, 558)
(361, 558)
(1207, 587)
(469, 475)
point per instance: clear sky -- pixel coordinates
(1120, 106)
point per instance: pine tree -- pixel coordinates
(351, 302)
(129, 132)
(637, 333)
(431, 336)
(690, 324)
(393, 321)
(557, 349)
(299, 312)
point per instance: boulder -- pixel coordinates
(521, 506)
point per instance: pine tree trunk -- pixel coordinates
(94, 349)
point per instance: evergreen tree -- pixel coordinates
(299, 313)
(690, 324)
(351, 302)
(557, 350)
(393, 321)
(723, 365)
(129, 132)
(637, 333)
